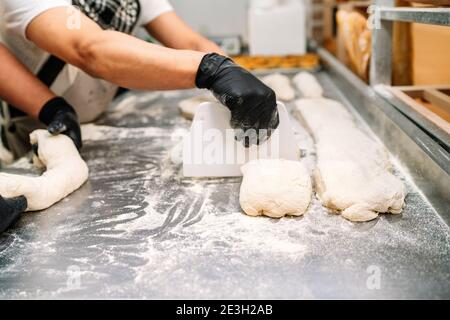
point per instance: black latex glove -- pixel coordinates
(10, 211)
(60, 117)
(252, 104)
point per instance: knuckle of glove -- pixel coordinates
(267, 97)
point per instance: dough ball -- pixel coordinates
(275, 188)
(189, 106)
(308, 85)
(281, 85)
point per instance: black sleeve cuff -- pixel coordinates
(52, 107)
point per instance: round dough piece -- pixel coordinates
(275, 188)
(308, 85)
(281, 85)
(189, 106)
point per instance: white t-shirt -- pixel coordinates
(89, 96)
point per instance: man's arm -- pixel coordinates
(172, 32)
(114, 56)
(19, 87)
(136, 64)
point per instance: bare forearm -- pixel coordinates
(114, 56)
(133, 63)
(172, 32)
(20, 87)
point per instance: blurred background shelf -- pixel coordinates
(438, 16)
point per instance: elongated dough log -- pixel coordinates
(308, 85)
(275, 188)
(281, 85)
(66, 172)
(353, 173)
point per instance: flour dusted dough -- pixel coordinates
(353, 173)
(307, 84)
(275, 188)
(281, 85)
(189, 106)
(65, 173)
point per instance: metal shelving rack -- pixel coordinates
(381, 63)
(439, 16)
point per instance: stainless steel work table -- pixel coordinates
(138, 229)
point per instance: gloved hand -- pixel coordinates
(10, 211)
(252, 104)
(60, 117)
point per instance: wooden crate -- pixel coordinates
(431, 54)
(432, 102)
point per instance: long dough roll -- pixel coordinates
(353, 173)
(65, 172)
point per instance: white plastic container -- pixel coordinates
(277, 27)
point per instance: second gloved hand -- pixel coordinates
(252, 104)
(60, 117)
(10, 211)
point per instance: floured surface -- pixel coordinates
(137, 229)
(353, 173)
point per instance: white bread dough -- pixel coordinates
(65, 172)
(308, 85)
(275, 188)
(281, 85)
(353, 173)
(189, 106)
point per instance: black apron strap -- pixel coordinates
(50, 70)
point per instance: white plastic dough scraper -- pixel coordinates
(210, 148)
